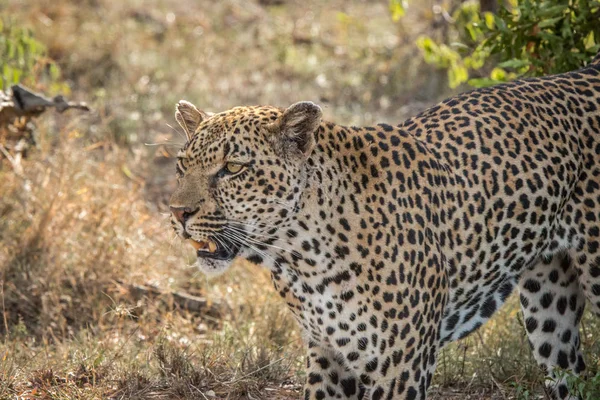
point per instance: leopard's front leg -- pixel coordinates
(328, 378)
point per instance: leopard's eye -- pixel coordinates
(233, 168)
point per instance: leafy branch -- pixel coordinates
(524, 38)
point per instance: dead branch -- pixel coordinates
(18, 106)
(184, 301)
(20, 101)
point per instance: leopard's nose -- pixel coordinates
(183, 213)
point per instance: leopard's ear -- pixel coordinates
(295, 129)
(189, 117)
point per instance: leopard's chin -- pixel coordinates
(215, 259)
(215, 252)
(213, 267)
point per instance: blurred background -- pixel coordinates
(98, 296)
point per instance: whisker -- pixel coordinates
(263, 234)
(179, 133)
(254, 235)
(171, 243)
(260, 242)
(222, 243)
(256, 226)
(163, 144)
(239, 240)
(263, 230)
(281, 202)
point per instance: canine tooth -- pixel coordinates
(197, 245)
(212, 247)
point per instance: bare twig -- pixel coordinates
(16, 165)
(184, 301)
(28, 101)
(4, 312)
(256, 370)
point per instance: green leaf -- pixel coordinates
(514, 63)
(397, 9)
(499, 22)
(54, 71)
(553, 10)
(498, 74)
(16, 78)
(457, 74)
(433, 53)
(20, 54)
(489, 20)
(589, 41)
(10, 49)
(525, 8)
(594, 50)
(550, 37)
(566, 31)
(482, 82)
(459, 45)
(549, 22)
(7, 74)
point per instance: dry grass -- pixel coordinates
(86, 218)
(73, 228)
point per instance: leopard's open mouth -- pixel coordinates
(215, 249)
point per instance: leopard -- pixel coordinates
(388, 242)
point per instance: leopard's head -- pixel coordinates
(240, 176)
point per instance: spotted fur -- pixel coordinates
(388, 242)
